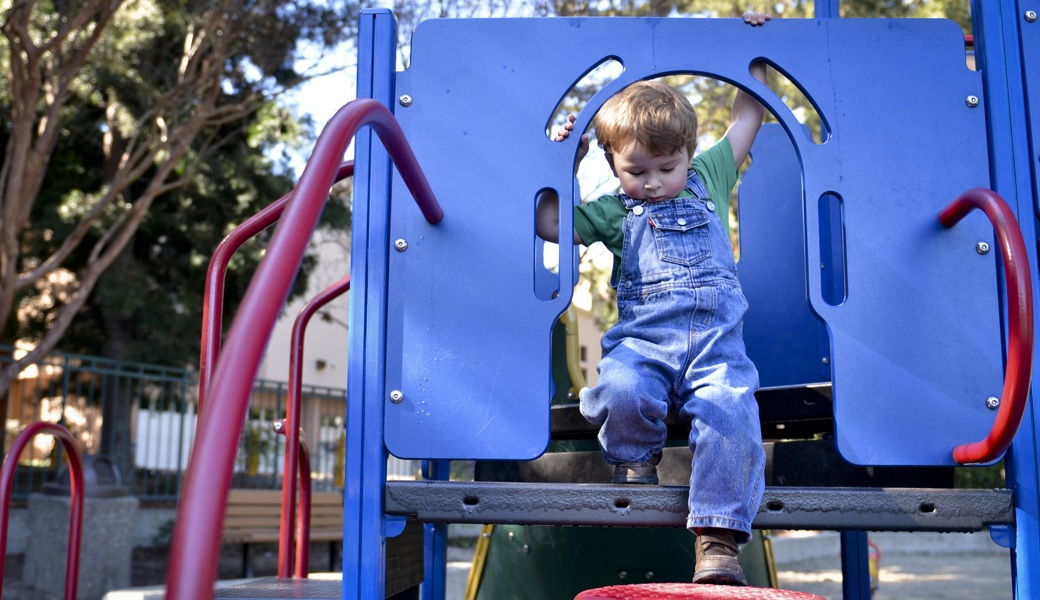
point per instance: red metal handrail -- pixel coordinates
(303, 526)
(76, 500)
(1018, 370)
(292, 418)
(213, 303)
(196, 539)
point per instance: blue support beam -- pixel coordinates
(364, 528)
(1002, 32)
(855, 566)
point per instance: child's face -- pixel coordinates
(647, 177)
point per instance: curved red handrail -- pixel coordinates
(196, 539)
(292, 417)
(1018, 370)
(303, 526)
(76, 491)
(213, 303)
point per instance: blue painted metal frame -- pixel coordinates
(365, 471)
(1006, 45)
(435, 540)
(855, 565)
(1003, 47)
(900, 262)
(772, 241)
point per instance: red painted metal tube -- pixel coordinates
(303, 525)
(212, 307)
(195, 549)
(292, 415)
(1018, 370)
(75, 508)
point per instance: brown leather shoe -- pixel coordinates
(644, 473)
(717, 558)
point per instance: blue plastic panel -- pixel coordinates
(915, 342)
(782, 334)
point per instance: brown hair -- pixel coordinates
(652, 114)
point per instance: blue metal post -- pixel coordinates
(365, 469)
(855, 566)
(999, 52)
(435, 541)
(827, 9)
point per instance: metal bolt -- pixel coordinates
(622, 575)
(405, 100)
(1031, 16)
(972, 101)
(982, 248)
(649, 575)
(396, 396)
(993, 403)
(825, 360)
(526, 549)
(401, 245)
(278, 425)
(510, 535)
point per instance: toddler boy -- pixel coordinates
(680, 309)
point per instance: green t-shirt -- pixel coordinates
(603, 219)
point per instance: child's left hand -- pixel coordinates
(755, 19)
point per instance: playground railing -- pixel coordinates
(196, 540)
(296, 448)
(75, 508)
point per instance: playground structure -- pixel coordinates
(882, 304)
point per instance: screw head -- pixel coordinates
(401, 245)
(1031, 16)
(396, 396)
(649, 575)
(622, 575)
(982, 248)
(972, 101)
(993, 403)
(278, 425)
(405, 100)
(825, 360)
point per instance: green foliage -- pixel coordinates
(134, 91)
(990, 477)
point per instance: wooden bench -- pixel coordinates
(253, 516)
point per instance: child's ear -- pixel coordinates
(610, 161)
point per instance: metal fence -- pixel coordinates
(142, 417)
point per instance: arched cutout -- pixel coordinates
(545, 259)
(793, 95)
(711, 97)
(833, 276)
(573, 101)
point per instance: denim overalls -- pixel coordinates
(679, 339)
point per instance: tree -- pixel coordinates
(158, 90)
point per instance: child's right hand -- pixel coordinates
(565, 133)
